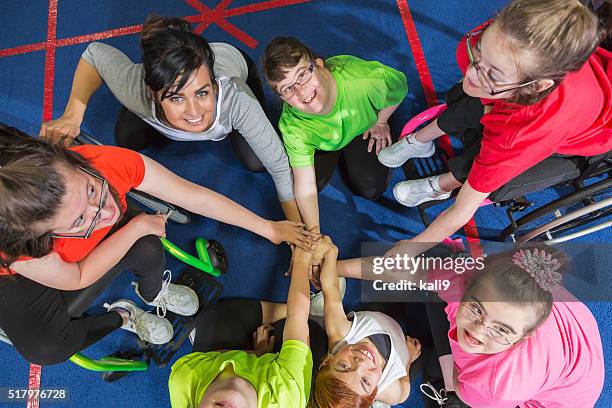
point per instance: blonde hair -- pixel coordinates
(559, 35)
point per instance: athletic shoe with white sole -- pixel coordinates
(147, 326)
(406, 148)
(414, 192)
(317, 303)
(175, 298)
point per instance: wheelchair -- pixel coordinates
(211, 258)
(584, 207)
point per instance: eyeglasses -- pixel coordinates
(96, 218)
(473, 312)
(302, 79)
(483, 77)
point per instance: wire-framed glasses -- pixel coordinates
(96, 218)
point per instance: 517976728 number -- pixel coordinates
(8, 394)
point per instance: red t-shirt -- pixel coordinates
(574, 119)
(124, 170)
(560, 365)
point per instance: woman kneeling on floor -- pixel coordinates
(185, 89)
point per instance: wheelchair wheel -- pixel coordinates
(586, 211)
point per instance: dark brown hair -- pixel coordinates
(282, 54)
(31, 192)
(559, 35)
(171, 52)
(505, 281)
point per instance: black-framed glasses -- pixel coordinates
(302, 79)
(483, 77)
(96, 218)
(475, 314)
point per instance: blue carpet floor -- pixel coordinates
(371, 29)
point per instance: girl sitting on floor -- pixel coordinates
(315, 124)
(369, 357)
(274, 373)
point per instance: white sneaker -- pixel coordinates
(408, 147)
(175, 298)
(317, 303)
(147, 326)
(414, 192)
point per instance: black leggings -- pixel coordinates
(363, 173)
(462, 119)
(439, 324)
(131, 132)
(41, 321)
(230, 324)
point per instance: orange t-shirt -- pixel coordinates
(123, 169)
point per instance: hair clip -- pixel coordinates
(540, 265)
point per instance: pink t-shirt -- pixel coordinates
(560, 365)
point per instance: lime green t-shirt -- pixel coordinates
(281, 379)
(364, 88)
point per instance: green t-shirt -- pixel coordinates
(281, 379)
(364, 88)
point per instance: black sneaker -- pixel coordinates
(441, 398)
(453, 401)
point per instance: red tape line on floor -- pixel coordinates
(50, 47)
(36, 370)
(252, 8)
(118, 32)
(34, 384)
(471, 231)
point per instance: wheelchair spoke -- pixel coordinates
(566, 216)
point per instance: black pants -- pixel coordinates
(134, 133)
(361, 170)
(40, 320)
(439, 324)
(230, 324)
(462, 119)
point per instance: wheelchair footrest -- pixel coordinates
(418, 168)
(208, 290)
